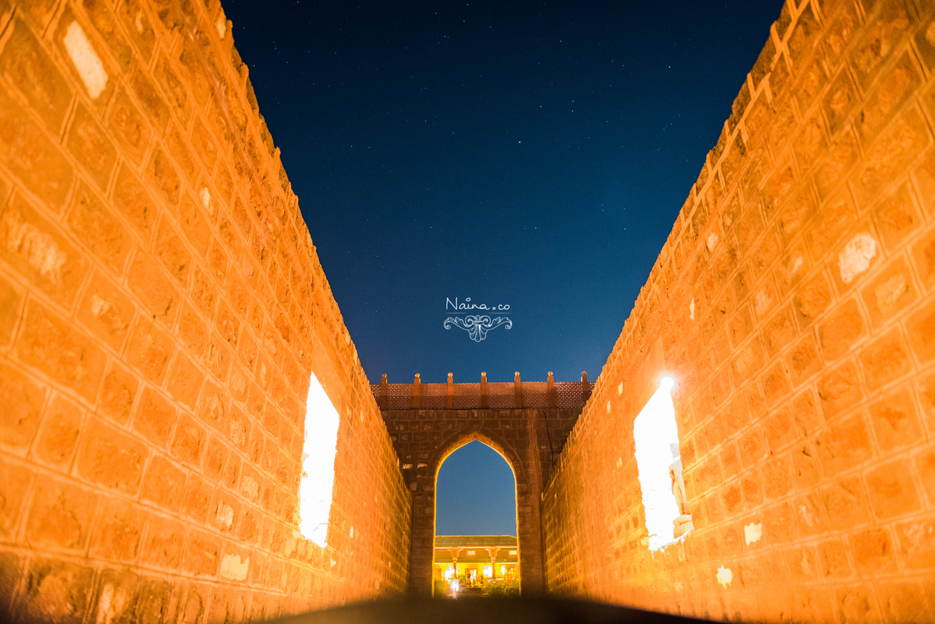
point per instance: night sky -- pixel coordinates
(529, 154)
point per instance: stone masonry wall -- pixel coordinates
(161, 309)
(794, 303)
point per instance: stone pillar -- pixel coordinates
(493, 560)
(483, 390)
(450, 394)
(550, 392)
(518, 392)
(529, 529)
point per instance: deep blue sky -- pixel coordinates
(476, 493)
(532, 154)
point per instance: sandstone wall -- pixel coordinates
(794, 302)
(161, 310)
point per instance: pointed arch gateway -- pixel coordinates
(457, 553)
(529, 440)
(529, 539)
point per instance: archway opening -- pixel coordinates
(476, 546)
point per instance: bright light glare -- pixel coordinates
(317, 484)
(667, 382)
(488, 571)
(657, 437)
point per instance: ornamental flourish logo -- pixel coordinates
(476, 325)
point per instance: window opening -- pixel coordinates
(318, 453)
(659, 465)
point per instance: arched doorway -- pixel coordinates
(529, 439)
(475, 521)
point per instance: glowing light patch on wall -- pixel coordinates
(317, 484)
(656, 439)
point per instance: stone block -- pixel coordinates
(60, 515)
(779, 523)
(155, 417)
(119, 531)
(809, 514)
(99, 229)
(133, 201)
(163, 484)
(91, 147)
(846, 502)
(106, 310)
(811, 300)
(843, 327)
(185, 380)
(163, 176)
(921, 327)
(153, 105)
(752, 447)
(55, 591)
(844, 444)
(806, 469)
(52, 345)
(834, 559)
(804, 360)
(111, 458)
(202, 554)
(118, 392)
(905, 601)
(163, 545)
(752, 490)
(896, 217)
(37, 250)
(195, 226)
(15, 483)
(776, 384)
(150, 283)
(777, 476)
(840, 158)
(885, 359)
(806, 412)
(839, 389)
(917, 544)
(892, 489)
(27, 65)
(895, 421)
(128, 125)
(189, 441)
(903, 139)
(171, 252)
(58, 436)
(196, 499)
(856, 603)
(150, 350)
(873, 551)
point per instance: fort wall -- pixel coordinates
(162, 308)
(794, 304)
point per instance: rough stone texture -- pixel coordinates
(161, 309)
(528, 439)
(794, 304)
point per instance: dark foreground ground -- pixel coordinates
(474, 610)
